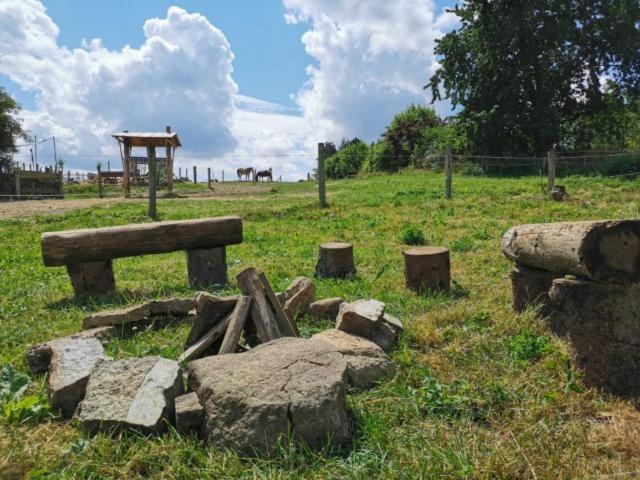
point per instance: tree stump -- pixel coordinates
(335, 260)
(92, 277)
(602, 323)
(207, 266)
(427, 268)
(530, 286)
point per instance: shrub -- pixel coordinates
(413, 235)
(380, 158)
(348, 161)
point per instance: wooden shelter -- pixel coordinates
(135, 169)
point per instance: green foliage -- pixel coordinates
(348, 160)
(10, 128)
(381, 158)
(14, 405)
(413, 235)
(521, 70)
(529, 347)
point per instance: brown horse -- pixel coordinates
(248, 173)
(266, 174)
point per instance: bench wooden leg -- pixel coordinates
(207, 266)
(92, 277)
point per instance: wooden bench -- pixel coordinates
(88, 253)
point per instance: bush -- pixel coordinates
(348, 161)
(413, 235)
(380, 158)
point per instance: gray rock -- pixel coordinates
(134, 393)
(189, 413)
(120, 316)
(72, 361)
(366, 318)
(367, 363)
(290, 384)
(172, 306)
(298, 296)
(326, 309)
(210, 310)
(39, 356)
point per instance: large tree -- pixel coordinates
(521, 70)
(10, 128)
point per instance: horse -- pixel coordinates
(264, 174)
(247, 173)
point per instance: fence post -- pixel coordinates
(99, 181)
(551, 169)
(151, 155)
(448, 172)
(209, 177)
(322, 191)
(195, 174)
(180, 173)
(222, 176)
(18, 184)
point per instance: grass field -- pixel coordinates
(481, 392)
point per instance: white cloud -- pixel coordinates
(373, 59)
(180, 76)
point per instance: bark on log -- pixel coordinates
(92, 278)
(335, 260)
(602, 322)
(98, 244)
(207, 266)
(600, 250)
(530, 287)
(236, 324)
(427, 268)
(262, 315)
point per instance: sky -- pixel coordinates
(251, 82)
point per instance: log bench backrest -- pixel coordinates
(102, 244)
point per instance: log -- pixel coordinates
(530, 287)
(262, 315)
(100, 244)
(287, 325)
(602, 323)
(427, 268)
(606, 250)
(92, 278)
(236, 324)
(195, 350)
(207, 266)
(211, 309)
(335, 260)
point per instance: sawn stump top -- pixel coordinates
(335, 245)
(424, 251)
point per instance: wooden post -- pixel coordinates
(209, 177)
(99, 182)
(151, 155)
(18, 184)
(448, 172)
(68, 175)
(126, 180)
(427, 268)
(169, 155)
(195, 174)
(322, 192)
(207, 266)
(222, 176)
(180, 173)
(551, 169)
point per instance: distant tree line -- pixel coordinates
(523, 78)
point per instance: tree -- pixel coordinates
(521, 70)
(348, 160)
(10, 128)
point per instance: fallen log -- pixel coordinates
(606, 250)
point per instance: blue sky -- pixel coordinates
(236, 79)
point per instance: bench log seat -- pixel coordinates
(88, 253)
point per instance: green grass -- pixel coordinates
(480, 393)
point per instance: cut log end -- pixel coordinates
(427, 268)
(335, 260)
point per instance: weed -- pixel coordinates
(528, 347)
(413, 235)
(15, 406)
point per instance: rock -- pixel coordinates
(39, 356)
(298, 296)
(172, 306)
(326, 309)
(119, 316)
(366, 362)
(289, 384)
(189, 413)
(72, 361)
(210, 309)
(134, 393)
(366, 318)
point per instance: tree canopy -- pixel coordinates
(10, 128)
(525, 72)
